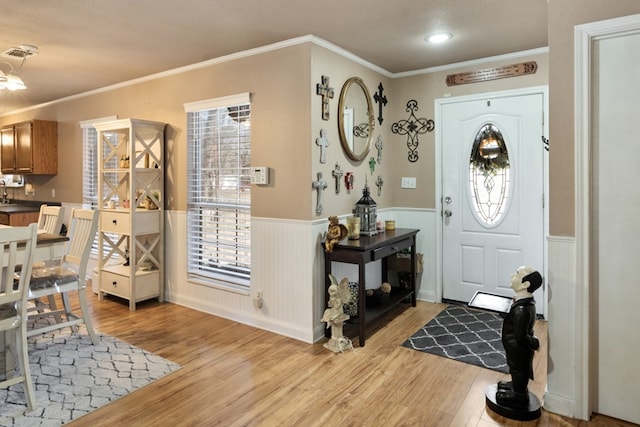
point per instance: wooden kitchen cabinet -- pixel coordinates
(29, 148)
(19, 219)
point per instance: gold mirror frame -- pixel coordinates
(368, 116)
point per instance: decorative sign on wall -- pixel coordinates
(495, 73)
(412, 127)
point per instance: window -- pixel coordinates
(90, 168)
(219, 191)
(90, 161)
(489, 175)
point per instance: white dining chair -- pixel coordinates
(69, 275)
(51, 219)
(14, 286)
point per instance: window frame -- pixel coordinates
(209, 213)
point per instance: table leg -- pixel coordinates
(362, 306)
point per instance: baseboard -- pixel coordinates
(559, 405)
(287, 330)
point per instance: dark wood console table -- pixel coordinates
(362, 251)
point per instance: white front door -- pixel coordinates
(492, 193)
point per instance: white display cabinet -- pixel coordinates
(131, 197)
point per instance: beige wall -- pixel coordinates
(339, 69)
(279, 81)
(563, 16)
(425, 88)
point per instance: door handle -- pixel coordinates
(447, 213)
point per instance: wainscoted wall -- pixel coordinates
(288, 266)
(281, 269)
(562, 388)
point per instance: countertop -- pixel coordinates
(22, 206)
(17, 208)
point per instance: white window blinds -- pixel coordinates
(219, 191)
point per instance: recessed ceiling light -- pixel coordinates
(439, 37)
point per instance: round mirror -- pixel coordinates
(355, 119)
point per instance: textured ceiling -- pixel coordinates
(85, 45)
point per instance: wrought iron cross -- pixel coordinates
(327, 93)
(412, 127)
(381, 100)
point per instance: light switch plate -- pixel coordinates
(408, 182)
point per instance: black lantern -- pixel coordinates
(366, 210)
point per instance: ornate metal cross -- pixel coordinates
(319, 186)
(337, 175)
(327, 93)
(381, 100)
(412, 127)
(379, 183)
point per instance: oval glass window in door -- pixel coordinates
(489, 175)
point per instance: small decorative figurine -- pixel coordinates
(335, 316)
(323, 142)
(337, 174)
(319, 185)
(512, 398)
(335, 233)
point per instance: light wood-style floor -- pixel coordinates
(236, 375)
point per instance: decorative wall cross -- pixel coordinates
(337, 175)
(319, 186)
(323, 142)
(412, 127)
(381, 100)
(372, 165)
(379, 148)
(379, 183)
(327, 93)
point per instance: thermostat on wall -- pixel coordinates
(259, 175)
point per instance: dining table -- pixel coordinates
(48, 246)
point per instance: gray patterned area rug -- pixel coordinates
(469, 336)
(72, 377)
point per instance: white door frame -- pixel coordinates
(584, 36)
(438, 104)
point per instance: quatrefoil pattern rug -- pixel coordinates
(73, 377)
(469, 336)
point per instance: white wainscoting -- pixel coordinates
(282, 251)
(288, 267)
(562, 387)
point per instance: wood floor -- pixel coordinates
(236, 375)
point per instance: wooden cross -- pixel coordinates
(337, 175)
(327, 93)
(379, 183)
(319, 186)
(381, 100)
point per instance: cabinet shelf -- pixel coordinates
(133, 233)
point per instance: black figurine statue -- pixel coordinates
(518, 339)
